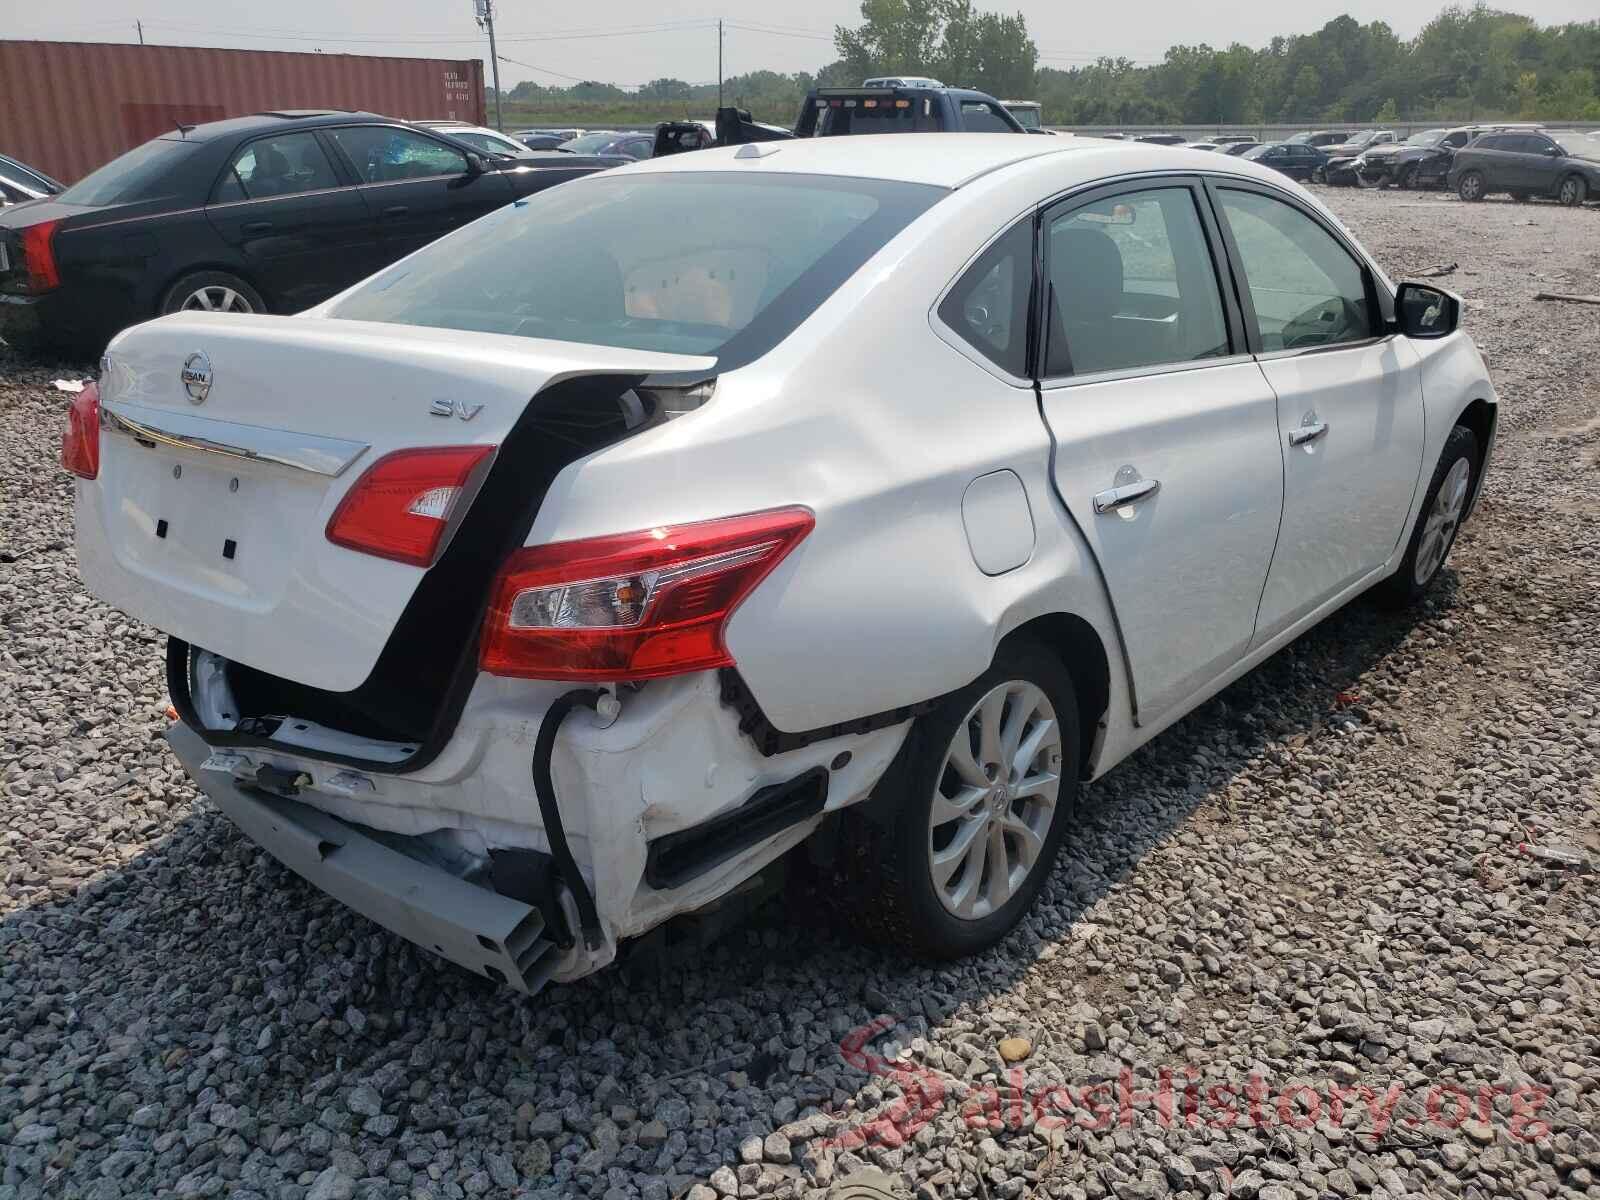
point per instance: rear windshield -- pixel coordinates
(706, 263)
(916, 114)
(140, 174)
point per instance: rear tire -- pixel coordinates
(1573, 191)
(1444, 506)
(212, 291)
(956, 802)
(1470, 187)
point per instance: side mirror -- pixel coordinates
(476, 164)
(1553, 151)
(1426, 312)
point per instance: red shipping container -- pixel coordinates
(68, 107)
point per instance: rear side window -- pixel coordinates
(1132, 285)
(384, 154)
(988, 308)
(688, 262)
(1305, 287)
(142, 173)
(977, 117)
(278, 166)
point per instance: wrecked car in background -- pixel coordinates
(1340, 167)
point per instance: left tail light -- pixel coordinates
(405, 505)
(637, 605)
(39, 254)
(80, 443)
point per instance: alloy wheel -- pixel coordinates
(994, 800)
(216, 298)
(1569, 191)
(1444, 519)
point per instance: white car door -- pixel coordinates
(1349, 401)
(1166, 447)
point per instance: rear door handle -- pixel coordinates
(396, 210)
(1307, 433)
(1129, 493)
(253, 228)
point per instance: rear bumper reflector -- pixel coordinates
(676, 858)
(490, 934)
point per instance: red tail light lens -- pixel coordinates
(406, 504)
(633, 605)
(39, 252)
(80, 443)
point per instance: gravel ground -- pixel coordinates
(1322, 878)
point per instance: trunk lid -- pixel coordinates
(227, 442)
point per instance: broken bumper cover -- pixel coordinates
(487, 933)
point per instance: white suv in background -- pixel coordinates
(563, 577)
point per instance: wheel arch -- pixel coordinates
(222, 268)
(1081, 651)
(1479, 416)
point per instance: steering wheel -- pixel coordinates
(1326, 321)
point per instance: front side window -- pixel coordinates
(1306, 288)
(278, 166)
(1132, 285)
(988, 308)
(746, 260)
(384, 154)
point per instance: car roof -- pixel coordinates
(947, 160)
(276, 122)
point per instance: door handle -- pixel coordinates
(396, 210)
(1129, 493)
(1307, 433)
(252, 228)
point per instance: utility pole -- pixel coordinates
(485, 14)
(140, 25)
(719, 62)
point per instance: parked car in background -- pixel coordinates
(1320, 137)
(1161, 139)
(1203, 146)
(1236, 148)
(625, 147)
(539, 139)
(923, 107)
(20, 183)
(1294, 159)
(269, 213)
(480, 138)
(468, 574)
(1525, 163)
(1029, 114)
(1235, 139)
(901, 81)
(1341, 165)
(1422, 160)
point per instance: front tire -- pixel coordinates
(981, 792)
(1444, 506)
(212, 291)
(1470, 187)
(1407, 179)
(1572, 192)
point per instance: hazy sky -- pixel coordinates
(633, 41)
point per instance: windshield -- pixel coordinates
(1027, 116)
(589, 143)
(747, 259)
(1255, 152)
(137, 175)
(1428, 137)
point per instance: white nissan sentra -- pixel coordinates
(877, 491)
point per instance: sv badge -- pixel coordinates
(454, 408)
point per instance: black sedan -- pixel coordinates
(1294, 159)
(270, 213)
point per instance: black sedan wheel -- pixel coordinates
(1319, 175)
(212, 291)
(1408, 177)
(1572, 191)
(1470, 186)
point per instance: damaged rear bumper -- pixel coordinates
(481, 930)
